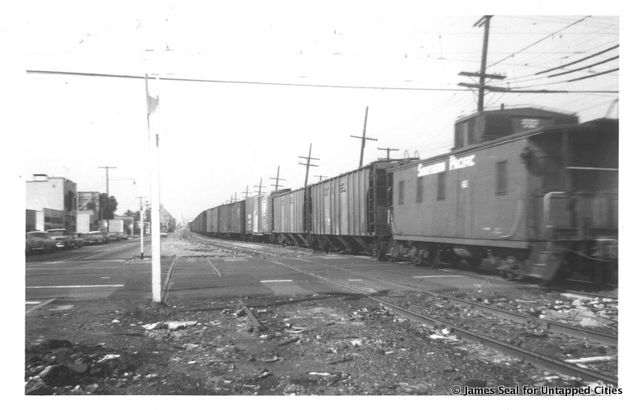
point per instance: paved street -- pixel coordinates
(89, 273)
(115, 271)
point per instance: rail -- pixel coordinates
(533, 357)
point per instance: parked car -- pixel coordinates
(98, 237)
(113, 236)
(62, 238)
(84, 239)
(39, 241)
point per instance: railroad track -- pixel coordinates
(550, 325)
(532, 357)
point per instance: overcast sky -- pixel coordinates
(217, 138)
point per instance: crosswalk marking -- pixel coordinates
(275, 280)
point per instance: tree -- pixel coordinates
(108, 209)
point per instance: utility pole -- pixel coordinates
(154, 157)
(484, 21)
(388, 151)
(278, 179)
(141, 227)
(235, 197)
(259, 187)
(320, 177)
(106, 168)
(246, 192)
(364, 137)
(308, 164)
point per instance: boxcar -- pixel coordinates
(212, 221)
(288, 217)
(349, 212)
(231, 220)
(537, 203)
(257, 219)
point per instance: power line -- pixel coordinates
(593, 75)
(201, 80)
(534, 76)
(579, 61)
(583, 68)
(522, 90)
(539, 41)
(524, 87)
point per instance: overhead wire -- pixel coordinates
(539, 41)
(578, 61)
(534, 76)
(287, 84)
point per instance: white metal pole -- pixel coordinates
(155, 223)
(155, 204)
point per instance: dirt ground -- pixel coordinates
(323, 344)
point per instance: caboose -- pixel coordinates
(532, 192)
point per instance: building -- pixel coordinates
(53, 200)
(88, 210)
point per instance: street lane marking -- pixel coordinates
(276, 280)
(75, 286)
(439, 276)
(105, 277)
(32, 302)
(214, 268)
(31, 309)
(354, 280)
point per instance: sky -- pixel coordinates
(217, 139)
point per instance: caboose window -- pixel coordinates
(441, 186)
(401, 193)
(419, 189)
(501, 178)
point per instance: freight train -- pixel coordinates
(527, 191)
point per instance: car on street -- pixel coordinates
(39, 241)
(84, 239)
(63, 238)
(113, 236)
(98, 237)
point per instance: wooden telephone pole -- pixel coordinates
(364, 137)
(259, 187)
(278, 179)
(482, 75)
(308, 164)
